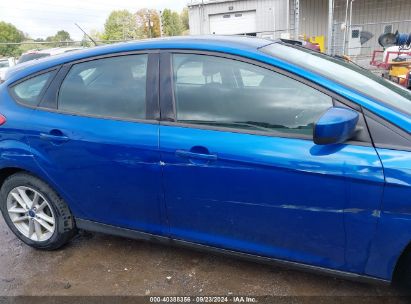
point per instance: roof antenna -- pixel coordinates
(95, 43)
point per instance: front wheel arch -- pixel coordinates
(402, 271)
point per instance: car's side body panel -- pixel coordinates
(276, 197)
(15, 152)
(394, 228)
(111, 169)
(108, 166)
(359, 216)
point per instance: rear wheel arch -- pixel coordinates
(9, 171)
(6, 172)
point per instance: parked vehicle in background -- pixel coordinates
(32, 55)
(29, 57)
(241, 145)
(5, 64)
(37, 54)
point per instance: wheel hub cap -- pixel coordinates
(31, 213)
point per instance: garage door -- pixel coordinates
(233, 23)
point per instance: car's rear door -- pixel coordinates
(241, 170)
(96, 136)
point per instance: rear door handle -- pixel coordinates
(55, 136)
(192, 155)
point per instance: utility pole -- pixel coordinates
(345, 28)
(161, 23)
(330, 25)
(149, 24)
(297, 19)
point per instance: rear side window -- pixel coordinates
(109, 87)
(228, 93)
(29, 91)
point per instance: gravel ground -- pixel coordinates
(98, 265)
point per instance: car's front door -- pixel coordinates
(241, 170)
(100, 144)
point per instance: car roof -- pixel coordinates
(207, 43)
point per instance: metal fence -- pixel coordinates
(358, 25)
(362, 39)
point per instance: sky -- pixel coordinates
(43, 18)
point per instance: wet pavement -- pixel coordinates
(98, 264)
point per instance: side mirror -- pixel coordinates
(335, 126)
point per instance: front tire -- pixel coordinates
(35, 213)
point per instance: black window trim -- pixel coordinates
(392, 143)
(152, 87)
(168, 109)
(53, 70)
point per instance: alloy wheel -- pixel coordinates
(31, 213)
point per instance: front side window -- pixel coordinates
(229, 93)
(111, 87)
(28, 92)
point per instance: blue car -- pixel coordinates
(260, 149)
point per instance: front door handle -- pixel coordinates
(193, 155)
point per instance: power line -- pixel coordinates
(82, 8)
(60, 42)
(98, 4)
(97, 7)
(57, 19)
(51, 12)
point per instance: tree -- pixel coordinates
(148, 21)
(120, 25)
(9, 33)
(171, 21)
(184, 19)
(85, 41)
(96, 35)
(59, 37)
(62, 36)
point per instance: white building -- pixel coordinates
(293, 18)
(253, 17)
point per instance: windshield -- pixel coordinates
(346, 73)
(28, 57)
